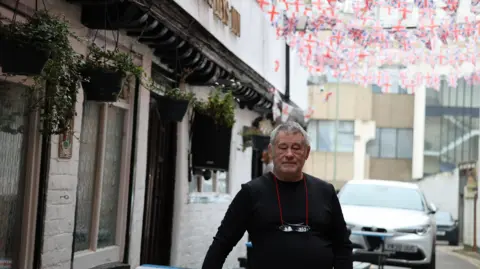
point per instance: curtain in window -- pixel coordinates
(13, 139)
(86, 174)
(111, 177)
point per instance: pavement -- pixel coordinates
(450, 258)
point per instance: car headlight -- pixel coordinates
(420, 230)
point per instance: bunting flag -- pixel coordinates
(327, 96)
(346, 38)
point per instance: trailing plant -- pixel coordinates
(173, 93)
(61, 73)
(111, 60)
(220, 106)
(248, 132)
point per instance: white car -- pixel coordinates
(392, 211)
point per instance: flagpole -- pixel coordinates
(337, 104)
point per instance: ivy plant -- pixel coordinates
(111, 60)
(172, 93)
(61, 73)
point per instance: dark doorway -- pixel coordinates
(160, 184)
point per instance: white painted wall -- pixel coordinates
(257, 45)
(442, 190)
(63, 176)
(364, 132)
(195, 224)
(298, 82)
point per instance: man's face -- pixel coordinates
(289, 152)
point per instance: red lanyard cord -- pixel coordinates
(280, 204)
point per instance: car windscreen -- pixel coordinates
(381, 196)
(443, 217)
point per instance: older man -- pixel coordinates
(294, 220)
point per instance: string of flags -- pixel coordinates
(356, 39)
(281, 110)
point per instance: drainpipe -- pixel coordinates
(42, 194)
(132, 172)
(287, 73)
(475, 222)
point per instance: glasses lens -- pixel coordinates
(294, 228)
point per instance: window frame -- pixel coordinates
(378, 144)
(318, 124)
(30, 189)
(94, 256)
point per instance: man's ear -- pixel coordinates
(307, 153)
(270, 150)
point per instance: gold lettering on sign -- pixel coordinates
(229, 16)
(235, 22)
(220, 9)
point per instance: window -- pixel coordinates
(13, 158)
(102, 183)
(209, 181)
(373, 195)
(404, 143)
(391, 143)
(323, 134)
(388, 142)
(443, 217)
(394, 80)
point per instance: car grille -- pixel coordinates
(444, 227)
(373, 241)
(418, 256)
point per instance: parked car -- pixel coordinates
(393, 214)
(447, 228)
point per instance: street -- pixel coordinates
(446, 260)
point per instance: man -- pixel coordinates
(294, 220)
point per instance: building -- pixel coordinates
(395, 135)
(116, 192)
(201, 204)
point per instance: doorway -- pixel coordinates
(159, 194)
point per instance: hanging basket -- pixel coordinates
(260, 142)
(21, 59)
(103, 85)
(210, 143)
(172, 109)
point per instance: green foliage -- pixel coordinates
(248, 132)
(178, 94)
(112, 60)
(175, 93)
(61, 74)
(220, 106)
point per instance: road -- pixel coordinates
(446, 261)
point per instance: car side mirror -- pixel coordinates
(433, 208)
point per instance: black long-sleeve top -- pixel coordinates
(255, 209)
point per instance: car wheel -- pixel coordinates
(453, 243)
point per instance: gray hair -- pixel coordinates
(289, 127)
